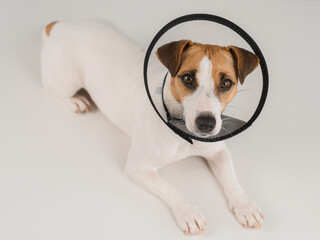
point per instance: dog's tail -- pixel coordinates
(47, 30)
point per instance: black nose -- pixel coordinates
(205, 122)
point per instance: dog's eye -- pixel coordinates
(187, 78)
(226, 84)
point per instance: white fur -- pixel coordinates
(95, 56)
(203, 99)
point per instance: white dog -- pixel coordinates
(89, 62)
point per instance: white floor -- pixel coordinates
(61, 175)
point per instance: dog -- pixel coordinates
(88, 63)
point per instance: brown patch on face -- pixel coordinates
(223, 69)
(190, 62)
(228, 64)
(49, 28)
(222, 66)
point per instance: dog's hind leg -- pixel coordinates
(76, 98)
(62, 71)
(69, 89)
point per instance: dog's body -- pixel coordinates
(94, 56)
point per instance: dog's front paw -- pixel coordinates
(246, 212)
(189, 218)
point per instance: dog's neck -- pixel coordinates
(174, 108)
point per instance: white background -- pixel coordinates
(61, 175)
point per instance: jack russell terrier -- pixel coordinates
(90, 62)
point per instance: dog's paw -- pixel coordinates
(247, 213)
(79, 104)
(189, 218)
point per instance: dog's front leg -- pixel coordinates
(245, 211)
(188, 217)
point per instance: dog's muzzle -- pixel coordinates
(205, 122)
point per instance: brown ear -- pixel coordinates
(170, 54)
(245, 61)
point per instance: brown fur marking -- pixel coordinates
(245, 61)
(170, 54)
(49, 28)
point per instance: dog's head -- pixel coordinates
(204, 79)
